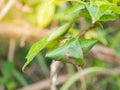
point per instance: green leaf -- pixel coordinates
(109, 17)
(8, 69)
(87, 44)
(79, 1)
(75, 8)
(34, 50)
(11, 85)
(97, 11)
(115, 9)
(116, 1)
(59, 32)
(70, 52)
(99, 2)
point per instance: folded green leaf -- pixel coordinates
(71, 52)
(87, 44)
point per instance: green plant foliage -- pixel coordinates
(72, 49)
(1, 80)
(96, 12)
(11, 85)
(116, 1)
(79, 25)
(115, 9)
(34, 50)
(109, 17)
(42, 64)
(20, 78)
(75, 8)
(99, 2)
(8, 69)
(71, 52)
(59, 32)
(37, 47)
(97, 9)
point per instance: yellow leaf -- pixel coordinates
(45, 14)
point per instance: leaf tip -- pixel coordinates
(23, 69)
(25, 65)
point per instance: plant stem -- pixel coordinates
(55, 67)
(11, 51)
(95, 25)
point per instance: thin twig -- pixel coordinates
(6, 8)
(54, 70)
(104, 53)
(90, 28)
(30, 33)
(82, 23)
(11, 51)
(44, 84)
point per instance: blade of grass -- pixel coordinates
(20, 78)
(42, 64)
(71, 71)
(82, 73)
